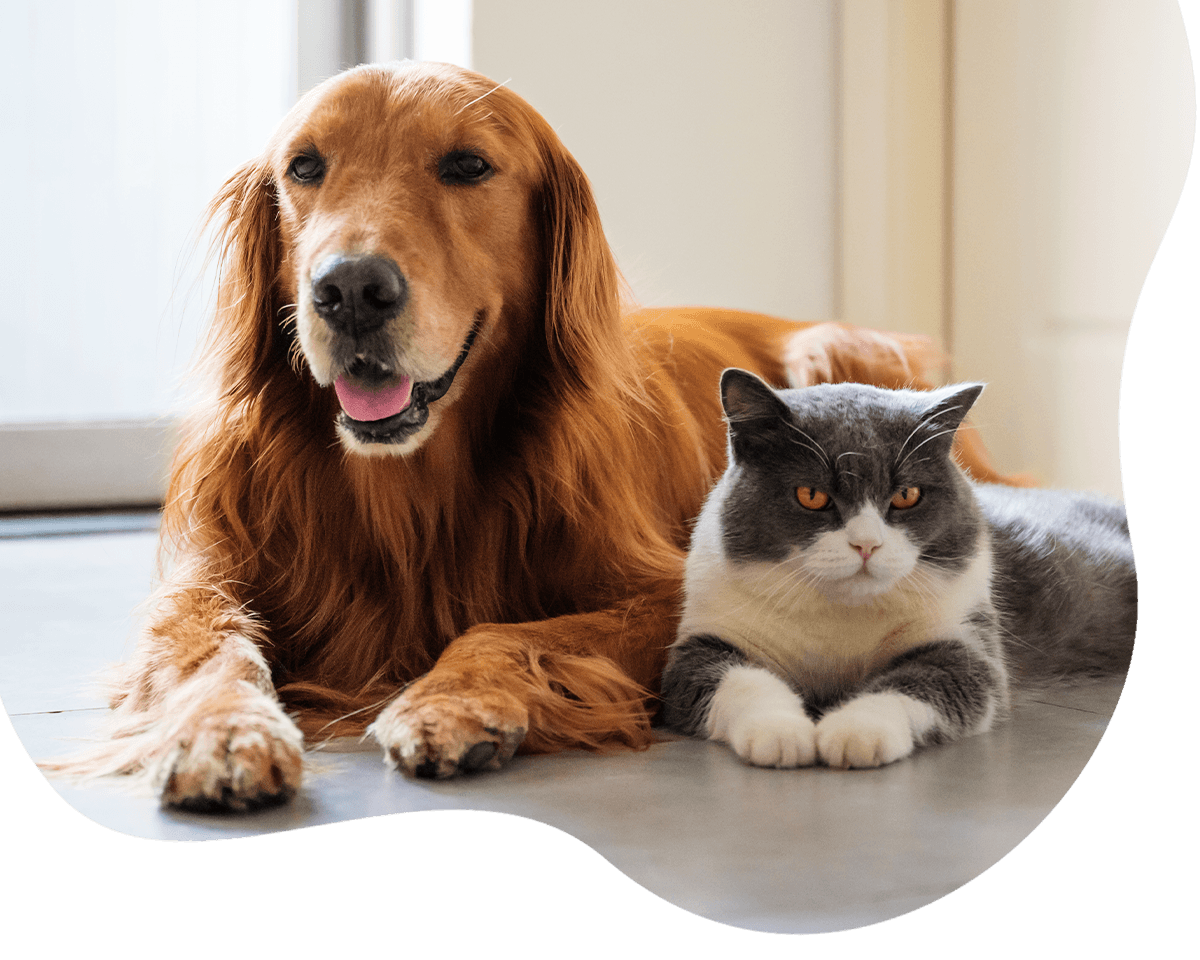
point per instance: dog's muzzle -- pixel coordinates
(356, 295)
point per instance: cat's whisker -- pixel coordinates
(941, 433)
(808, 582)
(935, 559)
(815, 447)
(904, 445)
(788, 587)
(780, 594)
(919, 582)
(940, 412)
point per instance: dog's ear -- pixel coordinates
(584, 288)
(245, 336)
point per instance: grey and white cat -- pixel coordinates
(851, 595)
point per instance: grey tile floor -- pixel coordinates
(786, 851)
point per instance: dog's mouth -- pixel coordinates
(380, 406)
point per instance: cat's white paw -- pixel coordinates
(869, 731)
(774, 739)
(758, 715)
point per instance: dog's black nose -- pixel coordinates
(358, 293)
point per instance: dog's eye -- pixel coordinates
(462, 166)
(307, 168)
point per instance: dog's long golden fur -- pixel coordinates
(503, 574)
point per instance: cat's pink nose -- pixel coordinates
(865, 533)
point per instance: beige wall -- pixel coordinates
(995, 173)
(707, 129)
(894, 109)
(1073, 128)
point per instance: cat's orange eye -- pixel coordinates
(812, 499)
(906, 497)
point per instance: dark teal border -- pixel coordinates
(1111, 873)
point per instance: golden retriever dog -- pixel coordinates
(443, 487)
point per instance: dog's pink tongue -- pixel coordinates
(363, 403)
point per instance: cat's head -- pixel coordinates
(853, 484)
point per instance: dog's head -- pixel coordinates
(413, 227)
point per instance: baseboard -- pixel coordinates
(84, 464)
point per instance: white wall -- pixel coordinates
(707, 129)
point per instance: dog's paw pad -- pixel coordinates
(478, 757)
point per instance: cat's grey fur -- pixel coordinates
(794, 653)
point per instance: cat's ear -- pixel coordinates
(747, 398)
(948, 406)
(752, 408)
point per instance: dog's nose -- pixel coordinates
(359, 293)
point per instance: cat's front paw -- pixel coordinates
(775, 739)
(759, 716)
(867, 732)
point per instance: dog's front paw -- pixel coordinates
(867, 732)
(774, 739)
(441, 735)
(233, 761)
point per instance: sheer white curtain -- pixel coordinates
(121, 119)
(126, 118)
